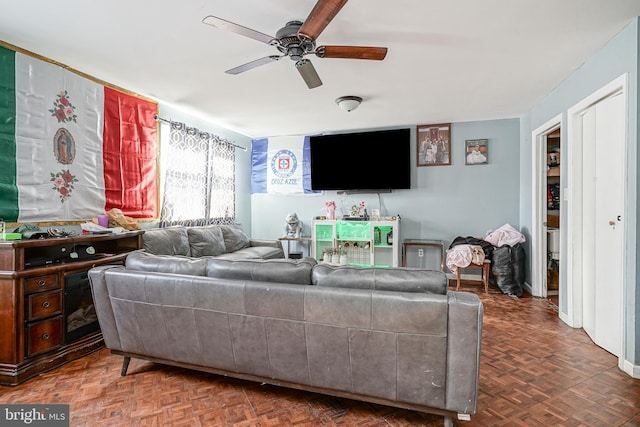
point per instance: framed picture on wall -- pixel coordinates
(476, 152)
(433, 145)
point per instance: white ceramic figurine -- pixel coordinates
(293, 226)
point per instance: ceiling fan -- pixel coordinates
(297, 39)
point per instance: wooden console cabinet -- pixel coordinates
(32, 299)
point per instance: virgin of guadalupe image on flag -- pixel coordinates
(64, 147)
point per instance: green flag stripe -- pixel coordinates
(8, 186)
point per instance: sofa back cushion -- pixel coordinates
(234, 237)
(206, 241)
(382, 279)
(292, 271)
(145, 261)
(167, 241)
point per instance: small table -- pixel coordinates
(485, 267)
(418, 242)
(293, 239)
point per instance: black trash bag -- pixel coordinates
(518, 265)
(505, 275)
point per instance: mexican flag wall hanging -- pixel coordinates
(71, 148)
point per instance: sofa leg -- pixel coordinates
(125, 365)
(448, 422)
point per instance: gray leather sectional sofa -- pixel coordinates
(389, 336)
(223, 241)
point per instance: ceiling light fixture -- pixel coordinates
(349, 103)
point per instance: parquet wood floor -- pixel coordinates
(536, 371)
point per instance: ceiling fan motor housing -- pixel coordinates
(290, 44)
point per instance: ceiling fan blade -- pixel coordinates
(321, 14)
(308, 73)
(223, 24)
(253, 64)
(352, 52)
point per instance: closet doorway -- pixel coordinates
(547, 203)
(553, 173)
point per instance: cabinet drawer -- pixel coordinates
(44, 304)
(44, 336)
(41, 283)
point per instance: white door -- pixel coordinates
(602, 237)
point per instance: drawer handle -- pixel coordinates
(45, 336)
(46, 304)
(41, 283)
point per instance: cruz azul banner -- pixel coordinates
(280, 165)
(71, 148)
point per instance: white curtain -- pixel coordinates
(198, 186)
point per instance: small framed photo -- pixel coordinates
(476, 152)
(433, 145)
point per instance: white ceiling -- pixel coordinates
(448, 61)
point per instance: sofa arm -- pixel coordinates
(464, 339)
(102, 304)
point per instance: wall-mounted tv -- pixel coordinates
(376, 160)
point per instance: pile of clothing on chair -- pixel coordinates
(503, 247)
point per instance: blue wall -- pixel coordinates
(444, 201)
(619, 56)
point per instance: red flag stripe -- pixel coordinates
(129, 154)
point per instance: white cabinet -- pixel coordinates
(322, 236)
(366, 243)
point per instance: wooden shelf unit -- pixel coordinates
(32, 313)
(554, 172)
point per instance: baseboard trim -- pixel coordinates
(630, 369)
(566, 319)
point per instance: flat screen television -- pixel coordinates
(376, 160)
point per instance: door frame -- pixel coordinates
(539, 206)
(574, 264)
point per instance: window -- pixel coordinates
(198, 177)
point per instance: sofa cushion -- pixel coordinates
(205, 241)
(293, 271)
(382, 279)
(145, 261)
(234, 237)
(167, 241)
(254, 252)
